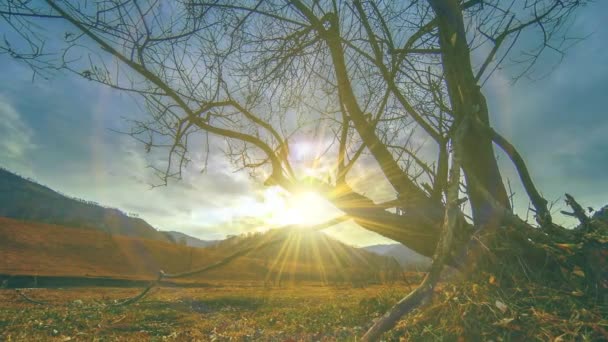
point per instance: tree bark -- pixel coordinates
(466, 99)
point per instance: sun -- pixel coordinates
(302, 208)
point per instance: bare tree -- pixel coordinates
(366, 80)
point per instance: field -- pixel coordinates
(307, 287)
(325, 291)
(307, 312)
(225, 312)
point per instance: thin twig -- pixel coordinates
(578, 211)
(22, 295)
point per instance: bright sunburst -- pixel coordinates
(304, 208)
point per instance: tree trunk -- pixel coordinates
(417, 232)
(466, 98)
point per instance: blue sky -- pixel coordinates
(59, 132)
(560, 122)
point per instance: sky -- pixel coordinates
(61, 132)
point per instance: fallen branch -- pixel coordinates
(142, 294)
(162, 275)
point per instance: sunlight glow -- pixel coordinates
(302, 150)
(304, 208)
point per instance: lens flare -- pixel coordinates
(303, 208)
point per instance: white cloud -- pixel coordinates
(16, 137)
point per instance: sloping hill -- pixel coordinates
(304, 254)
(24, 199)
(32, 248)
(29, 248)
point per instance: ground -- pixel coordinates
(460, 311)
(224, 312)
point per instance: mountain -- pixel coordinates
(33, 248)
(380, 249)
(406, 257)
(187, 240)
(25, 199)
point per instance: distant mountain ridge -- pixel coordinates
(24, 199)
(190, 241)
(406, 257)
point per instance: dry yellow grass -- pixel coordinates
(30, 248)
(235, 312)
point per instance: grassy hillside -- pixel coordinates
(305, 254)
(44, 249)
(25, 199)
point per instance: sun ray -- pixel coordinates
(283, 260)
(295, 255)
(275, 262)
(335, 258)
(318, 261)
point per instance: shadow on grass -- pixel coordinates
(204, 306)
